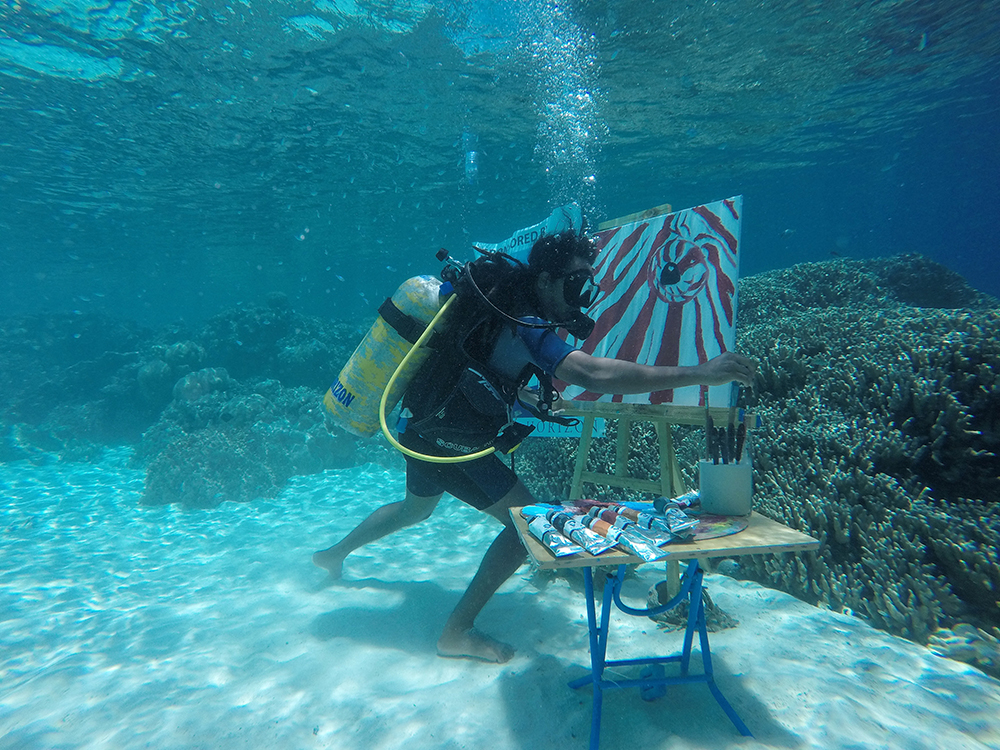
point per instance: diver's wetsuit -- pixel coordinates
(483, 481)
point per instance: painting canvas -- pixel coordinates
(668, 297)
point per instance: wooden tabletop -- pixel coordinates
(761, 536)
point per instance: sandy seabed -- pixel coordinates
(124, 626)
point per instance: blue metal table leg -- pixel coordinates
(598, 648)
(706, 661)
(599, 643)
(694, 602)
(593, 631)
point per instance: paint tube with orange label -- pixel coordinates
(638, 547)
(630, 527)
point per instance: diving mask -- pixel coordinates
(579, 289)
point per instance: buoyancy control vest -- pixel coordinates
(456, 400)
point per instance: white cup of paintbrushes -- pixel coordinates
(725, 488)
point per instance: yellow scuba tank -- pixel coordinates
(354, 398)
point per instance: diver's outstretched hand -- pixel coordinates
(726, 368)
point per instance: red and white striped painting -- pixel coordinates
(668, 297)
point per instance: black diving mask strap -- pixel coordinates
(580, 326)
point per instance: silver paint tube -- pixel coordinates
(638, 547)
(680, 522)
(590, 522)
(653, 535)
(546, 533)
(649, 521)
(682, 502)
(650, 535)
(569, 525)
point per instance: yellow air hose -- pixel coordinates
(385, 398)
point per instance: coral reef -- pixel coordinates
(969, 644)
(76, 383)
(544, 465)
(272, 341)
(223, 439)
(676, 618)
(59, 376)
(880, 437)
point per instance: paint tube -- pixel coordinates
(653, 536)
(642, 549)
(682, 502)
(642, 519)
(622, 521)
(640, 546)
(681, 524)
(603, 528)
(546, 533)
(656, 536)
(603, 514)
(568, 525)
(538, 509)
(609, 516)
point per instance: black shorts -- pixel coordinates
(480, 483)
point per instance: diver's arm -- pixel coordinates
(604, 375)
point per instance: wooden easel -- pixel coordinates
(670, 482)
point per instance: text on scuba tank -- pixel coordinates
(342, 395)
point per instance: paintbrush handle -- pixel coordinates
(741, 438)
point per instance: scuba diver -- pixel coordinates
(500, 333)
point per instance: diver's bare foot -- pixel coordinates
(471, 644)
(331, 562)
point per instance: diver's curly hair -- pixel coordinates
(511, 287)
(554, 252)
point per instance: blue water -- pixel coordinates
(161, 161)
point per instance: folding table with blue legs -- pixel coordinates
(762, 535)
